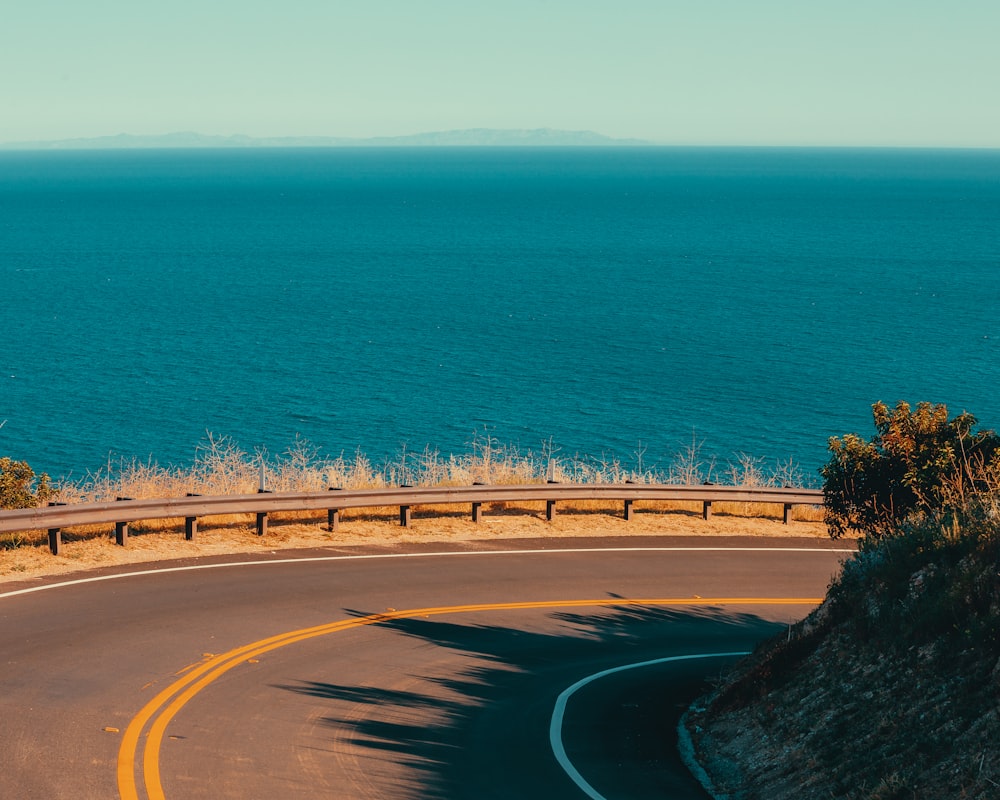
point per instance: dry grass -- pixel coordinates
(222, 467)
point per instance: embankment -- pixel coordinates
(889, 691)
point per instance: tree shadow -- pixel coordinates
(482, 731)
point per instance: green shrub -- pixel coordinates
(934, 582)
(19, 487)
(918, 461)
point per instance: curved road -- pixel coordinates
(392, 674)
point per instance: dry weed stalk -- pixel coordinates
(222, 467)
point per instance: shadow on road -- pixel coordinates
(479, 725)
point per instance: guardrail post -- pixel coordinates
(55, 535)
(262, 515)
(191, 523)
(333, 514)
(628, 511)
(706, 509)
(788, 513)
(121, 528)
(55, 541)
(404, 511)
(550, 510)
(477, 506)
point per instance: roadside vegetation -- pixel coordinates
(890, 690)
(20, 487)
(222, 467)
(919, 462)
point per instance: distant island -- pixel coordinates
(472, 137)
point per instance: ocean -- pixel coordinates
(594, 303)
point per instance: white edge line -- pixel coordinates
(372, 556)
(555, 726)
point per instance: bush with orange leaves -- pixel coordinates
(918, 461)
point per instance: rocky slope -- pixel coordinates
(889, 691)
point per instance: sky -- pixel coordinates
(685, 72)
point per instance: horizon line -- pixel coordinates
(479, 138)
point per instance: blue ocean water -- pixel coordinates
(604, 301)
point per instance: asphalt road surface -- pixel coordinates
(392, 674)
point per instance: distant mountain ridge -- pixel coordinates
(472, 137)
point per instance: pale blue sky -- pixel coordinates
(799, 72)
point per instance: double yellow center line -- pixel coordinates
(158, 712)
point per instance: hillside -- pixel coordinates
(473, 137)
(890, 690)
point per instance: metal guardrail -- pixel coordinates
(193, 507)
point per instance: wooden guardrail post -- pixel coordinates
(404, 511)
(550, 478)
(787, 515)
(333, 514)
(706, 509)
(55, 535)
(191, 523)
(477, 506)
(121, 528)
(55, 541)
(627, 511)
(262, 515)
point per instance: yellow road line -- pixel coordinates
(159, 711)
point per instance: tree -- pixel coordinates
(18, 487)
(918, 461)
